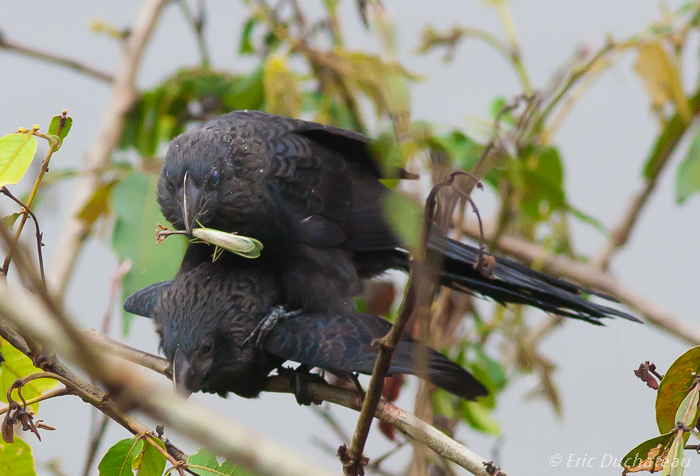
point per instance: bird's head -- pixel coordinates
(213, 175)
(191, 184)
(189, 341)
(203, 318)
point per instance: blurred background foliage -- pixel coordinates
(303, 69)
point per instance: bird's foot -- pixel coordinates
(273, 316)
(299, 382)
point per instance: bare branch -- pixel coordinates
(112, 347)
(53, 58)
(99, 155)
(38, 234)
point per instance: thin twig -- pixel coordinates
(418, 290)
(176, 464)
(52, 58)
(94, 444)
(327, 416)
(197, 24)
(99, 155)
(59, 392)
(39, 234)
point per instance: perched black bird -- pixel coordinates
(312, 194)
(205, 315)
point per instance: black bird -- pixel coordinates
(205, 315)
(312, 194)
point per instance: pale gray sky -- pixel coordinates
(604, 142)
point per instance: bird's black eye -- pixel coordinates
(214, 179)
(207, 348)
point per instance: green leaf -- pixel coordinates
(16, 459)
(134, 203)
(16, 366)
(149, 461)
(203, 458)
(246, 46)
(282, 94)
(674, 387)
(586, 218)
(9, 220)
(648, 455)
(207, 459)
(16, 153)
(444, 403)
(687, 412)
(405, 218)
(543, 181)
(673, 466)
(492, 369)
(119, 458)
(164, 111)
(479, 417)
(497, 106)
(688, 174)
(60, 128)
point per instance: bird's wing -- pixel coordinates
(144, 301)
(347, 342)
(328, 341)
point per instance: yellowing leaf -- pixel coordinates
(16, 153)
(661, 79)
(16, 459)
(648, 456)
(281, 85)
(384, 82)
(16, 366)
(98, 204)
(673, 389)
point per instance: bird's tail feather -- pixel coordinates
(512, 282)
(439, 370)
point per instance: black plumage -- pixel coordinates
(205, 315)
(312, 194)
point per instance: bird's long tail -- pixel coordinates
(511, 282)
(439, 369)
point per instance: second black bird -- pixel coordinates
(205, 315)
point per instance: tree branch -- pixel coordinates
(415, 428)
(52, 58)
(129, 389)
(99, 155)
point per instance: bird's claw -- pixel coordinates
(300, 385)
(273, 316)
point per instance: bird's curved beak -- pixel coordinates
(190, 203)
(182, 374)
(188, 375)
